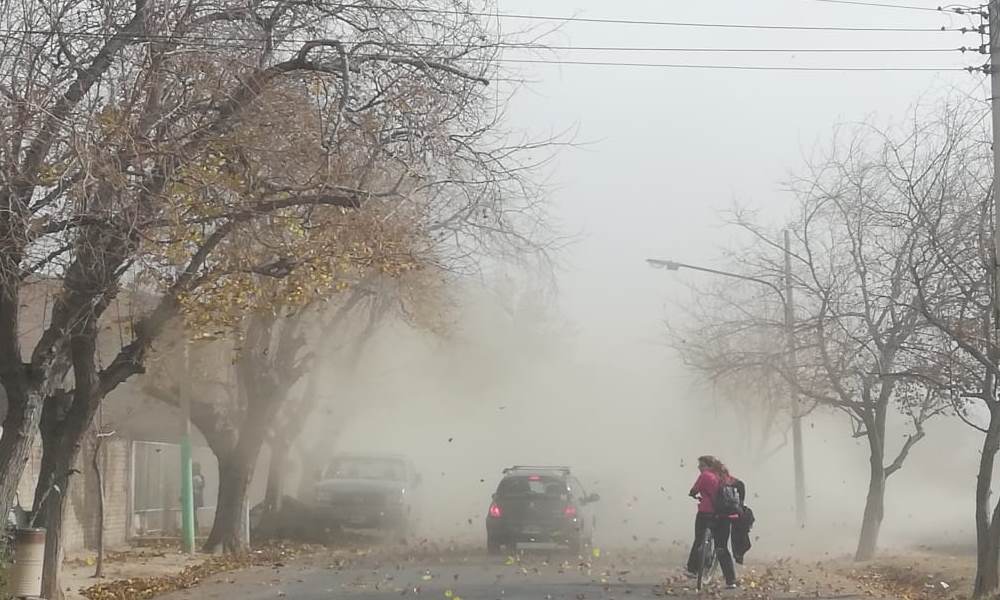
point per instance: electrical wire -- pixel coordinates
(729, 67)
(937, 9)
(775, 50)
(225, 43)
(605, 20)
(218, 41)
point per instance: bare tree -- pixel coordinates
(952, 269)
(861, 312)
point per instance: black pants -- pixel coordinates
(720, 533)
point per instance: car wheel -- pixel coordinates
(492, 545)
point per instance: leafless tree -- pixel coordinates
(953, 271)
(860, 308)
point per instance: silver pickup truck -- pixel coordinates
(367, 491)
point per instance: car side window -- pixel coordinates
(578, 491)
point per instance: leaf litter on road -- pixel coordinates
(139, 588)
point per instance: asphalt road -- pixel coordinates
(448, 574)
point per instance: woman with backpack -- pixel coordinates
(718, 506)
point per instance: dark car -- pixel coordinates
(369, 492)
(545, 505)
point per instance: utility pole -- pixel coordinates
(994, 31)
(800, 469)
(187, 487)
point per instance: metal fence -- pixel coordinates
(156, 487)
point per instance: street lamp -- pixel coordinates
(786, 300)
(671, 265)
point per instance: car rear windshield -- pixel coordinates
(525, 485)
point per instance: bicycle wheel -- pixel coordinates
(707, 562)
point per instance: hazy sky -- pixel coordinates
(669, 148)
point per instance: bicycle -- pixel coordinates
(707, 559)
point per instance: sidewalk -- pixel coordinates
(141, 572)
(123, 564)
(918, 575)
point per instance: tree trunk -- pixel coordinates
(23, 411)
(277, 474)
(236, 470)
(987, 530)
(99, 476)
(53, 513)
(19, 428)
(49, 508)
(871, 522)
(63, 428)
(235, 473)
(874, 511)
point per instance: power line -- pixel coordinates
(658, 23)
(938, 9)
(775, 50)
(258, 43)
(219, 41)
(730, 67)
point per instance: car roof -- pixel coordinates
(523, 470)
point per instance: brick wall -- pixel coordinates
(81, 517)
(81, 510)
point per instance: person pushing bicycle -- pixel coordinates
(719, 504)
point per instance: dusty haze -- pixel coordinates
(509, 388)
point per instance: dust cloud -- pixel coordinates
(512, 383)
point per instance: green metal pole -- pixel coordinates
(187, 487)
(187, 496)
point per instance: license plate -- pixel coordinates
(532, 530)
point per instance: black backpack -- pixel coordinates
(727, 499)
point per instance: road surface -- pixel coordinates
(639, 573)
(448, 574)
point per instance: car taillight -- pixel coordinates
(570, 511)
(495, 511)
